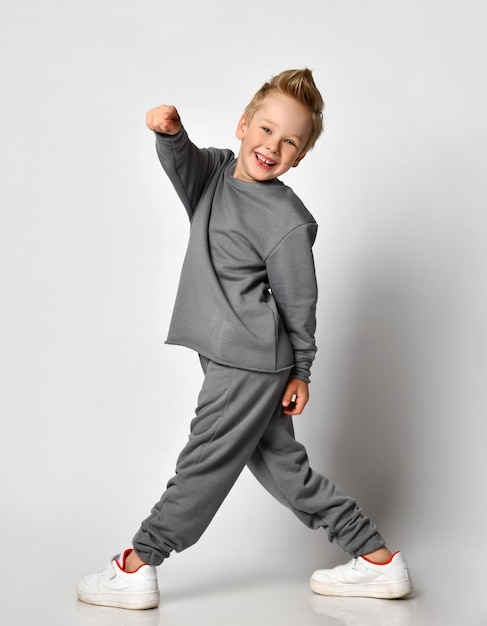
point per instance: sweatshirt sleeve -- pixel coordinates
(188, 167)
(292, 280)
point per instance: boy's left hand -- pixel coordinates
(296, 396)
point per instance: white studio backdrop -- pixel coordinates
(95, 408)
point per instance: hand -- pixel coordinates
(164, 119)
(296, 396)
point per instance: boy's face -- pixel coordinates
(273, 140)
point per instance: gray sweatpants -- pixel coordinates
(239, 422)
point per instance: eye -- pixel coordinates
(265, 129)
(290, 142)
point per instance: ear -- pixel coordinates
(298, 160)
(241, 128)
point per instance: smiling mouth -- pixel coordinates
(264, 163)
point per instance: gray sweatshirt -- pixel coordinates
(247, 292)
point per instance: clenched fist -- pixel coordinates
(164, 119)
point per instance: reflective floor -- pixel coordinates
(280, 602)
(40, 591)
(285, 604)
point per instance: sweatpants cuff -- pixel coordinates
(147, 553)
(374, 543)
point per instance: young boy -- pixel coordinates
(246, 303)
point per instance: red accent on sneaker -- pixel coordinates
(375, 562)
(123, 558)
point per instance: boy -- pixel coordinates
(246, 303)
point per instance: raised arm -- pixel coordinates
(188, 167)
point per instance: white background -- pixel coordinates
(95, 408)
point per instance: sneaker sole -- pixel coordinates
(385, 590)
(136, 601)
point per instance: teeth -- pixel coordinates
(265, 161)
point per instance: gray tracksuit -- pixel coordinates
(246, 303)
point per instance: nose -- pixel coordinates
(272, 145)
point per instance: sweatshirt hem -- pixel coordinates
(221, 361)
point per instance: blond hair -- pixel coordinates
(300, 85)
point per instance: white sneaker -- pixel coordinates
(360, 577)
(116, 587)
